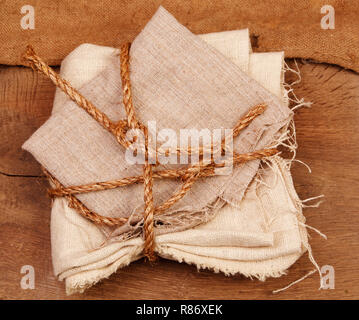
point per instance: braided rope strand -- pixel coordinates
(205, 171)
(148, 226)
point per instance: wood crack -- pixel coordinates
(21, 175)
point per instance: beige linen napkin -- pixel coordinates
(204, 90)
(258, 238)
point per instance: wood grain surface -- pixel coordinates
(327, 135)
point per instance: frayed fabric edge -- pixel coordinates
(75, 284)
(261, 276)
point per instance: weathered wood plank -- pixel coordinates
(26, 103)
(327, 135)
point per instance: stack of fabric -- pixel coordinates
(249, 222)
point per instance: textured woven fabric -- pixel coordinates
(258, 238)
(180, 82)
(293, 26)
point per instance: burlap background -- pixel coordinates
(292, 26)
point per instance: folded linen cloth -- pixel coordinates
(261, 238)
(258, 238)
(180, 82)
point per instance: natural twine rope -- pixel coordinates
(119, 129)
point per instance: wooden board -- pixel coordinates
(327, 135)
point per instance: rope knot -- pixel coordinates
(120, 131)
